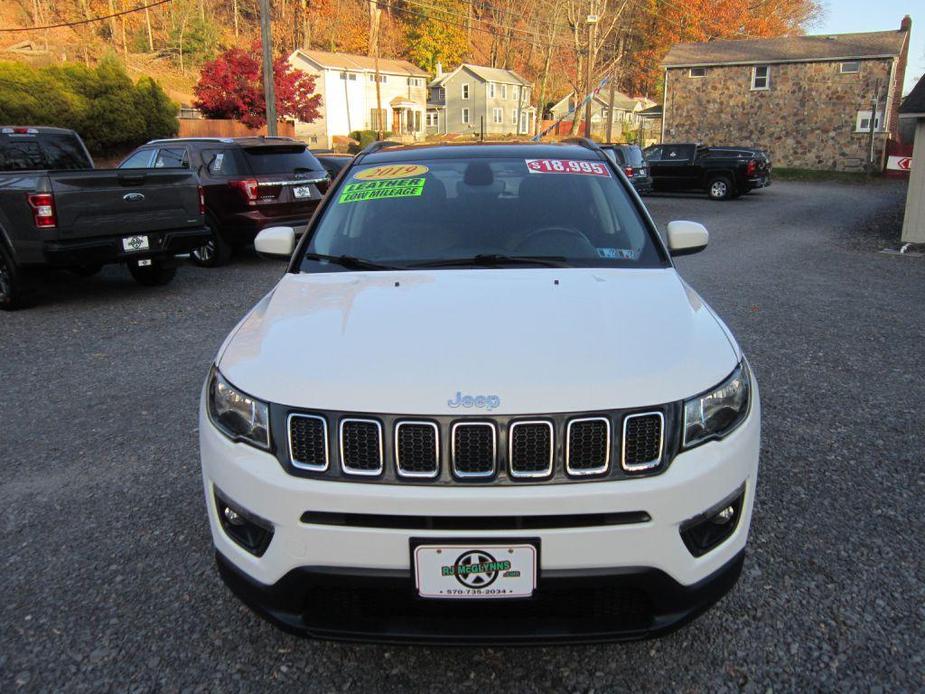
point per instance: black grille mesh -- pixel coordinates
(474, 449)
(417, 448)
(306, 435)
(361, 446)
(587, 445)
(643, 439)
(531, 446)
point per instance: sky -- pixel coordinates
(848, 16)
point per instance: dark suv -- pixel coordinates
(250, 183)
(630, 158)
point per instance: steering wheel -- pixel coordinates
(556, 241)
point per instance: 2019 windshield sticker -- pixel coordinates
(383, 173)
(382, 189)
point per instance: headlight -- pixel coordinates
(238, 415)
(715, 413)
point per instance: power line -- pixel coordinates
(90, 20)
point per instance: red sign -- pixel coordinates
(567, 166)
(899, 163)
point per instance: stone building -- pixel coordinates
(808, 100)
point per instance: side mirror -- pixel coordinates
(278, 242)
(685, 238)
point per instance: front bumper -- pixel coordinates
(100, 251)
(639, 577)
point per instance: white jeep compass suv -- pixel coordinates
(481, 406)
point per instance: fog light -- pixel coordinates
(709, 529)
(246, 529)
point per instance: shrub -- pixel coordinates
(363, 138)
(102, 104)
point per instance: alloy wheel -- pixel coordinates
(718, 189)
(204, 253)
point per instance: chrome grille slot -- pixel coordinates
(643, 441)
(475, 449)
(531, 449)
(587, 446)
(361, 446)
(417, 449)
(308, 442)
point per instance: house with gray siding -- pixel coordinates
(473, 97)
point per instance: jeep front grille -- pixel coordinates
(643, 438)
(308, 442)
(417, 449)
(531, 449)
(475, 449)
(361, 446)
(587, 446)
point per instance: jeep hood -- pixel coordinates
(541, 340)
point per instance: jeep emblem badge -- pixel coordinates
(485, 402)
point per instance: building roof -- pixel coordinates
(914, 104)
(621, 101)
(787, 49)
(486, 74)
(361, 63)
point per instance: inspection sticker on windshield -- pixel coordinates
(379, 190)
(567, 166)
(618, 253)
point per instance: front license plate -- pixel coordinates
(135, 243)
(301, 192)
(477, 571)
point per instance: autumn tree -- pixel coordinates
(437, 35)
(231, 86)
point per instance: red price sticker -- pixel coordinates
(567, 166)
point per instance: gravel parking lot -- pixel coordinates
(107, 566)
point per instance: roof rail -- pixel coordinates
(583, 142)
(376, 146)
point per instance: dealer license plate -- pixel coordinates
(135, 243)
(481, 571)
(301, 192)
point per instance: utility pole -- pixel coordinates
(589, 88)
(269, 92)
(610, 110)
(875, 103)
(374, 49)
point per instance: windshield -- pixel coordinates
(633, 156)
(408, 214)
(280, 160)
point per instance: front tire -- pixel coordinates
(216, 251)
(719, 188)
(157, 274)
(13, 285)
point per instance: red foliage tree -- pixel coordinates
(231, 86)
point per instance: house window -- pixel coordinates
(523, 122)
(382, 78)
(503, 91)
(850, 67)
(513, 116)
(497, 115)
(697, 72)
(432, 119)
(415, 81)
(863, 122)
(348, 76)
(374, 123)
(516, 93)
(417, 121)
(465, 94)
(761, 77)
(491, 90)
(465, 114)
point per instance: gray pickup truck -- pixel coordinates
(57, 211)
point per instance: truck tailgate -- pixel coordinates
(124, 201)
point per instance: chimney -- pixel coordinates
(439, 66)
(906, 24)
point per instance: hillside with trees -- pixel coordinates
(548, 41)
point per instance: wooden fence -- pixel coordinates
(207, 127)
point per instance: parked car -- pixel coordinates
(249, 182)
(332, 162)
(720, 172)
(760, 155)
(631, 159)
(57, 211)
(480, 379)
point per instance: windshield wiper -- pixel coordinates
(349, 262)
(497, 260)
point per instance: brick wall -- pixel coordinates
(807, 119)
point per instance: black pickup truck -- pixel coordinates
(56, 210)
(721, 172)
